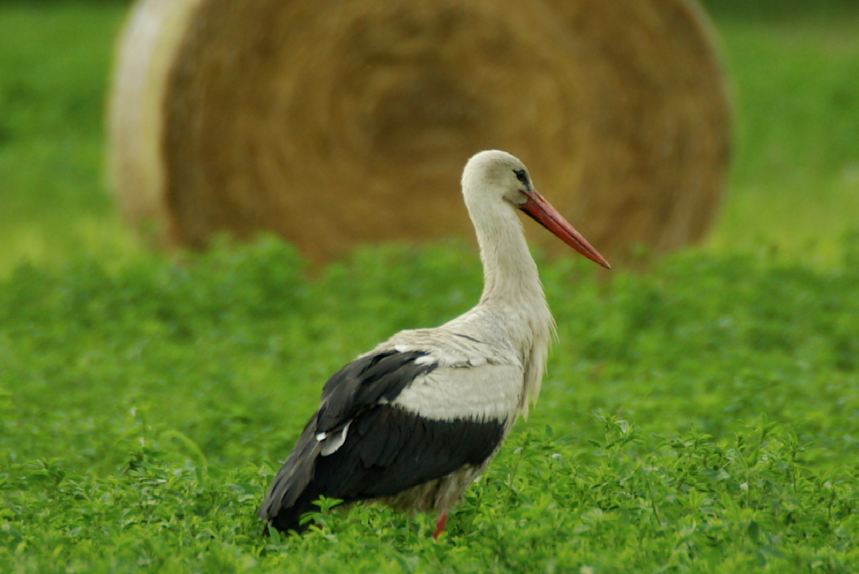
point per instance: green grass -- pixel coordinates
(794, 188)
(701, 418)
(769, 11)
(54, 67)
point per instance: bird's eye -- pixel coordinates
(521, 176)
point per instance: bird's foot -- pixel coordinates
(439, 526)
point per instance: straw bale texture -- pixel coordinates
(343, 122)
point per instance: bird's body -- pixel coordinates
(414, 421)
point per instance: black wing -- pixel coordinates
(365, 382)
(387, 449)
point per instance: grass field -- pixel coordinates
(54, 65)
(701, 418)
(794, 187)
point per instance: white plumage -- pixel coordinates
(414, 421)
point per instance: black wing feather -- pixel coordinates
(421, 450)
(364, 382)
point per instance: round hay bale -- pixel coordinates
(341, 123)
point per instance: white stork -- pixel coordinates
(414, 421)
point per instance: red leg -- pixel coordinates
(439, 526)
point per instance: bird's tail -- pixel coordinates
(290, 494)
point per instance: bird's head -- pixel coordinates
(494, 176)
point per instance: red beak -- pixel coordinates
(543, 213)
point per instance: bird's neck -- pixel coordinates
(513, 292)
(509, 272)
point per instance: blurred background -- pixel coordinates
(792, 190)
